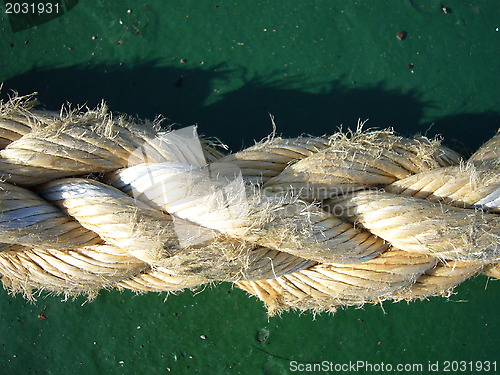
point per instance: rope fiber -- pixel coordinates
(90, 200)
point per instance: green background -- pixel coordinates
(227, 65)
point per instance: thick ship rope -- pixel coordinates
(92, 201)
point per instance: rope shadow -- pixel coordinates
(240, 116)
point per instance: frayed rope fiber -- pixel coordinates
(90, 201)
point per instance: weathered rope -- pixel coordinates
(90, 201)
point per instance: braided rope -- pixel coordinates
(91, 201)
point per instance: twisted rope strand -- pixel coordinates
(92, 201)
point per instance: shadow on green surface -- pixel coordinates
(466, 132)
(242, 115)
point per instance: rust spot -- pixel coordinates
(401, 35)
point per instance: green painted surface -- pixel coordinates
(225, 65)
